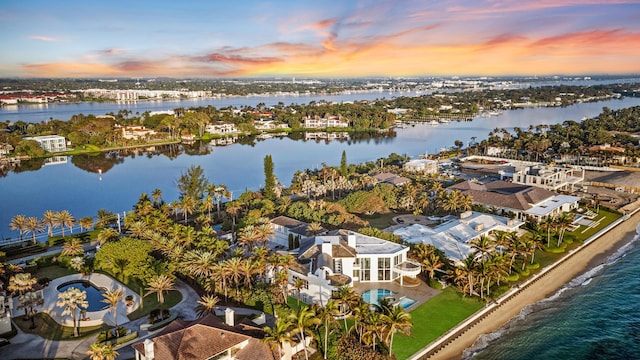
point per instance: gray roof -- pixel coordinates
(503, 194)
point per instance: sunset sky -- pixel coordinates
(140, 38)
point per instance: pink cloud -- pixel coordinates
(42, 38)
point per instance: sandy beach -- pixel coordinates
(574, 264)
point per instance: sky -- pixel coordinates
(321, 38)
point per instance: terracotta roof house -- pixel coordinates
(342, 257)
(522, 200)
(207, 338)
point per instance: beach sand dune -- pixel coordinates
(574, 264)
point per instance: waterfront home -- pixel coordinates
(424, 166)
(50, 143)
(342, 258)
(221, 128)
(134, 132)
(391, 178)
(287, 232)
(209, 338)
(454, 237)
(520, 200)
(320, 123)
(552, 178)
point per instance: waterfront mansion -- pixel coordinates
(342, 257)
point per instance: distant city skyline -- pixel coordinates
(318, 39)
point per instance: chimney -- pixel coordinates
(229, 317)
(148, 349)
(351, 240)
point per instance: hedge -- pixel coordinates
(163, 323)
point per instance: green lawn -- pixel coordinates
(53, 272)
(432, 319)
(380, 221)
(47, 328)
(150, 302)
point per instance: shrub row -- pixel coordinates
(163, 323)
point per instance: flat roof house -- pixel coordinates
(343, 257)
(50, 143)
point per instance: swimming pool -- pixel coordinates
(94, 294)
(373, 297)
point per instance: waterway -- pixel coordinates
(76, 185)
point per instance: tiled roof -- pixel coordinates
(503, 194)
(206, 337)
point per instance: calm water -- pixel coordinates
(596, 316)
(94, 295)
(240, 167)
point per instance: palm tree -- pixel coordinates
(85, 223)
(201, 264)
(563, 221)
(107, 234)
(347, 299)
(49, 220)
(248, 236)
(483, 245)
(72, 247)
(104, 351)
(431, 263)
(396, 320)
(188, 205)
(112, 298)
(64, 218)
(18, 222)
(235, 270)
(29, 302)
(71, 300)
(279, 334)
(207, 305)
(298, 285)
(33, 225)
(21, 284)
(156, 195)
(303, 319)
(327, 315)
(159, 285)
(314, 228)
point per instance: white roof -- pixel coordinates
(548, 206)
(453, 237)
(372, 245)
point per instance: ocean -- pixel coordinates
(595, 316)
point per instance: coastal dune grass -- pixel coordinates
(433, 318)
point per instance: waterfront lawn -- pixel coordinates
(433, 318)
(582, 233)
(380, 221)
(47, 328)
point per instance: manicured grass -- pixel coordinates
(380, 221)
(150, 302)
(47, 328)
(53, 272)
(580, 236)
(432, 319)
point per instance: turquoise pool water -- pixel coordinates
(374, 296)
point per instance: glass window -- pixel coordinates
(384, 269)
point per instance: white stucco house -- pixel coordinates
(342, 258)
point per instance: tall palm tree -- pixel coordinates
(303, 320)
(207, 305)
(279, 334)
(431, 263)
(347, 299)
(18, 222)
(314, 228)
(71, 300)
(20, 284)
(85, 223)
(156, 195)
(49, 220)
(159, 285)
(235, 271)
(397, 320)
(188, 205)
(64, 218)
(104, 351)
(248, 236)
(72, 247)
(33, 225)
(29, 302)
(112, 298)
(327, 315)
(298, 285)
(563, 221)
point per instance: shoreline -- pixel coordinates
(576, 263)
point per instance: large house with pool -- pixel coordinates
(343, 257)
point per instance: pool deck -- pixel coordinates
(50, 294)
(420, 293)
